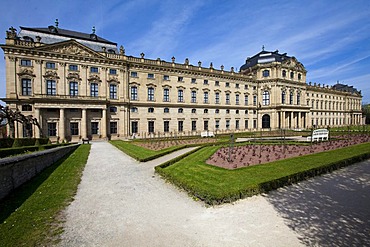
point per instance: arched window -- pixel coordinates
(291, 75)
(266, 73)
(299, 77)
(284, 73)
(217, 111)
(298, 98)
(266, 98)
(150, 109)
(193, 110)
(236, 111)
(205, 110)
(283, 97)
(166, 110)
(291, 98)
(180, 110)
(266, 121)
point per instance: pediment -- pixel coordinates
(293, 63)
(70, 47)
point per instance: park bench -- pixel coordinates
(207, 134)
(319, 135)
(85, 140)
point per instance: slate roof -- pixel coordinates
(345, 88)
(264, 57)
(70, 34)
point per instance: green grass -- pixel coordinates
(30, 215)
(216, 185)
(140, 153)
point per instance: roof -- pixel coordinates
(264, 57)
(70, 34)
(345, 88)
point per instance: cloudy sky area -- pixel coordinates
(331, 38)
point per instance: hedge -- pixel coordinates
(21, 142)
(21, 150)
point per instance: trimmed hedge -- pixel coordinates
(21, 150)
(279, 174)
(21, 142)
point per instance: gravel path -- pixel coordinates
(121, 202)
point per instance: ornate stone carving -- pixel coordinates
(26, 72)
(74, 76)
(71, 49)
(51, 75)
(12, 33)
(94, 77)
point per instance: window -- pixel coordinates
(150, 94)
(193, 110)
(227, 84)
(227, 99)
(150, 76)
(283, 97)
(237, 85)
(166, 126)
(237, 99)
(133, 74)
(246, 112)
(291, 98)
(134, 127)
(134, 109)
(180, 78)
(284, 73)
(50, 65)
(205, 125)
(94, 70)
(26, 62)
(113, 127)
(245, 99)
(134, 93)
(166, 110)
(73, 88)
(227, 111)
(266, 73)
(94, 128)
(205, 111)
(299, 77)
(291, 75)
(26, 87)
(180, 95)
(217, 98)
(193, 96)
(73, 67)
(254, 87)
(254, 123)
(227, 124)
(180, 110)
(246, 124)
(236, 111)
(151, 126)
(265, 98)
(180, 126)
(217, 83)
(237, 124)
(217, 111)
(113, 91)
(51, 88)
(94, 89)
(166, 95)
(166, 78)
(52, 129)
(205, 82)
(193, 80)
(113, 72)
(193, 125)
(150, 109)
(217, 124)
(205, 97)
(74, 129)
(26, 108)
(112, 109)
(298, 98)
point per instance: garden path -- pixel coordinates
(121, 202)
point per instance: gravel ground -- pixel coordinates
(121, 202)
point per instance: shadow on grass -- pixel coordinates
(331, 210)
(14, 200)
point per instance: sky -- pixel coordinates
(330, 38)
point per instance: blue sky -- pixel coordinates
(331, 38)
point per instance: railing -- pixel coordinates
(24, 43)
(58, 96)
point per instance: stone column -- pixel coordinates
(83, 124)
(104, 123)
(37, 116)
(62, 134)
(299, 122)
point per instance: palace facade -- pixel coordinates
(80, 85)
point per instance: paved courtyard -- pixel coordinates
(121, 202)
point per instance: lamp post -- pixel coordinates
(231, 146)
(258, 108)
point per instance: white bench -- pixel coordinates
(319, 135)
(207, 134)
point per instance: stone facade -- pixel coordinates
(80, 88)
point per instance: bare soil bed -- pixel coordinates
(159, 145)
(248, 155)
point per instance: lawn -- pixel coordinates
(216, 185)
(31, 215)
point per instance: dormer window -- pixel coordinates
(27, 38)
(284, 73)
(299, 77)
(291, 75)
(111, 51)
(266, 73)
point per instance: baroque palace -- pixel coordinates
(80, 85)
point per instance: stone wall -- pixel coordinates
(14, 171)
